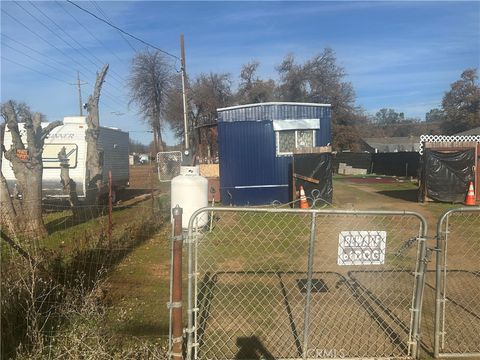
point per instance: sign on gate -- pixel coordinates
(361, 247)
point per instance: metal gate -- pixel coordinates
(285, 283)
(168, 165)
(457, 284)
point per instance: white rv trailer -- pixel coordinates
(112, 143)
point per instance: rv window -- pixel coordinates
(289, 140)
(50, 155)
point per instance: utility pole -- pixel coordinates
(184, 94)
(79, 89)
(79, 94)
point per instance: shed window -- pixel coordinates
(288, 140)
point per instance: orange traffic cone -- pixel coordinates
(470, 199)
(303, 199)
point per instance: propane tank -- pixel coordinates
(189, 190)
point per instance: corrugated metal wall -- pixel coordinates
(114, 144)
(250, 171)
(269, 112)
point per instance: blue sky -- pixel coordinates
(401, 55)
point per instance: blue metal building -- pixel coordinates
(256, 144)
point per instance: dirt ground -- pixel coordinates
(143, 177)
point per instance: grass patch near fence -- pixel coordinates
(137, 292)
(249, 240)
(74, 256)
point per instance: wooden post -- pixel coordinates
(110, 207)
(184, 91)
(151, 189)
(176, 305)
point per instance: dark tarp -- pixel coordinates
(404, 163)
(353, 159)
(318, 167)
(447, 174)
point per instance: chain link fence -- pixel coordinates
(457, 284)
(285, 283)
(168, 163)
(68, 294)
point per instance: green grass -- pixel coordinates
(137, 291)
(241, 238)
(68, 235)
(397, 186)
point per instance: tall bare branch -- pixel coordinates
(93, 118)
(94, 163)
(12, 124)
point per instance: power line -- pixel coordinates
(105, 92)
(106, 17)
(35, 59)
(49, 29)
(123, 31)
(43, 39)
(113, 98)
(87, 30)
(32, 69)
(59, 37)
(35, 51)
(76, 42)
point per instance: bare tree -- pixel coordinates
(252, 89)
(94, 155)
(94, 162)
(150, 79)
(174, 105)
(321, 80)
(461, 104)
(292, 86)
(207, 93)
(24, 217)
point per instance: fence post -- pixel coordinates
(422, 260)
(438, 288)
(151, 193)
(110, 209)
(176, 298)
(306, 317)
(439, 282)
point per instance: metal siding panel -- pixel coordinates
(260, 112)
(247, 151)
(247, 158)
(324, 136)
(115, 152)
